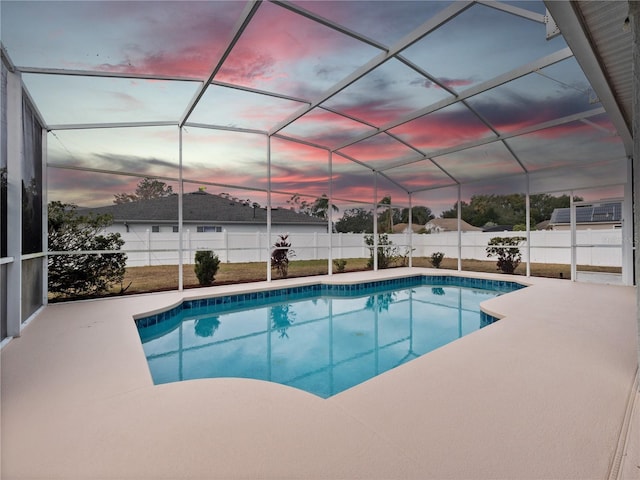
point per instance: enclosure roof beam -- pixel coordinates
(435, 22)
(513, 10)
(88, 126)
(105, 74)
(482, 87)
(328, 23)
(248, 13)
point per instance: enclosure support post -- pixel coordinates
(574, 269)
(410, 232)
(375, 221)
(459, 228)
(45, 220)
(528, 226)
(330, 215)
(627, 227)
(268, 208)
(180, 216)
(15, 152)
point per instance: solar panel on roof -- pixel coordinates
(608, 212)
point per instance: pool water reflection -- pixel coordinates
(322, 344)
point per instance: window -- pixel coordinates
(209, 228)
(175, 229)
(155, 228)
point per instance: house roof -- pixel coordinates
(597, 213)
(451, 224)
(401, 227)
(201, 207)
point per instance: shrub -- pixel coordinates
(436, 259)
(280, 256)
(387, 252)
(340, 264)
(83, 275)
(207, 264)
(507, 250)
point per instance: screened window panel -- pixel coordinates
(326, 128)
(229, 107)
(486, 161)
(31, 181)
(501, 42)
(32, 275)
(143, 150)
(271, 56)
(420, 175)
(444, 128)
(83, 99)
(587, 176)
(227, 159)
(351, 180)
(142, 43)
(299, 169)
(387, 22)
(405, 91)
(577, 143)
(381, 151)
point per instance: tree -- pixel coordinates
(355, 220)
(82, 275)
(147, 189)
(507, 209)
(420, 215)
(388, 217)
(299, 205)
(320, 208)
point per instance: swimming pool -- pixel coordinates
(322, 338)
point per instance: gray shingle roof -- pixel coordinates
(200, 207)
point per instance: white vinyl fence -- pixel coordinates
(596, 247)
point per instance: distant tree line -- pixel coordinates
(483, 210)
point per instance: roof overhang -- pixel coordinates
(596, 33)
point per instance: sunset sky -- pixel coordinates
(286, 54)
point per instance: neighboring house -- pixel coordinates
(404, 228)
(204, 212)
(438, 225)
(595, 217)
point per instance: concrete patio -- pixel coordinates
(549, 392)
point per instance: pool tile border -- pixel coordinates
(234, 301)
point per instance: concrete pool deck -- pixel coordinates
(547, 392)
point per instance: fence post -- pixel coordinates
(148, 245)
(258, 248)
(315, 245)
(226, 244)
(189, 246)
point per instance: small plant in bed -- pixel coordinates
(207, 264)
(436, 259)
(281, 254)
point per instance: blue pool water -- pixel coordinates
(319, 338)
